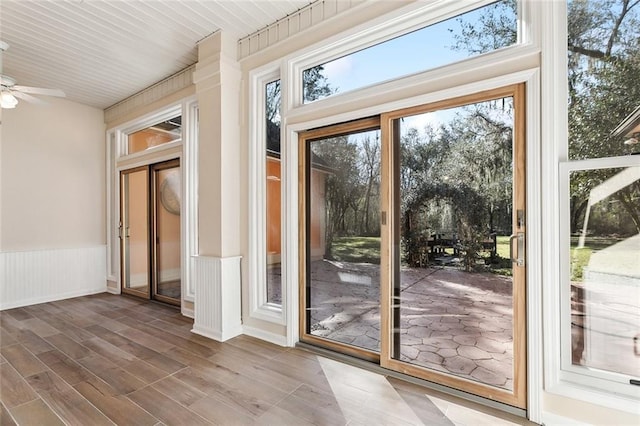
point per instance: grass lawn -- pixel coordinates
(502, 246)
(579, 259)
(367, 250)
(356, 249)
(580, 256)
(503, 264)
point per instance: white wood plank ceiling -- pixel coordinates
(103, 51)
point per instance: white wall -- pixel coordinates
(52, 200)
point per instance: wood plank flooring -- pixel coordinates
(107, 359)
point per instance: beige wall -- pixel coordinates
(52, 166)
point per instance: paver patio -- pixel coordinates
(451, 321)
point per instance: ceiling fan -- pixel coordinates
(10, 92)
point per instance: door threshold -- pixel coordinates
(159, 302)
(375, 368)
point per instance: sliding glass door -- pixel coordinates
(150, 232)
(413, 237)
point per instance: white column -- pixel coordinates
(217, 280)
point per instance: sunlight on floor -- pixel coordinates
(386, 404)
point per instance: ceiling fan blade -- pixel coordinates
(28, 98)
(39, 91)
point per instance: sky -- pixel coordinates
(423, 49)
(420, 50)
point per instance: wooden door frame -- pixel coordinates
(518, 397)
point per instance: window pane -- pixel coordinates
(158, 134)
(603, 69)
(482, 30)
(605, 269)
(168, 197)
(343, 239)
(273, 193)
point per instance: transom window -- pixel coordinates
(158, 134)
(481, 30)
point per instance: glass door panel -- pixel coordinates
(167, 184)
(457, 311)
(134, 231)
(341, 295)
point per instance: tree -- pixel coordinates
(339, 158)
(370, 158)
(457, 177)
(604, 65)
(273, 101)
(603, 48)
(315, 84)
(495, 28)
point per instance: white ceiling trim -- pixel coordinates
(292, 24)
(151, 94)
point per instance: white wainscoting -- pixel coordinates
(217, 283)
(31, 277)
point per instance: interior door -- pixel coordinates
(454, 302)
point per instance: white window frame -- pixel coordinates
(147, 121)
(259, 307)
(579, 375)
(403, 21)
(186, 149)
(560, 377)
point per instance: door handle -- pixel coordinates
(518, 259)
(120, 230)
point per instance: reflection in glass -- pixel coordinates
(605, 269)
(167, 222)
(158, 134)
(343, 239)
(135, 231)
(453, 279)
(603, 64)
(430, 47)
(273, 193)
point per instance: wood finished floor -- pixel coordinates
(106, 359)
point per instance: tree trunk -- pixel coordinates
(577, 213)
(632, 208)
